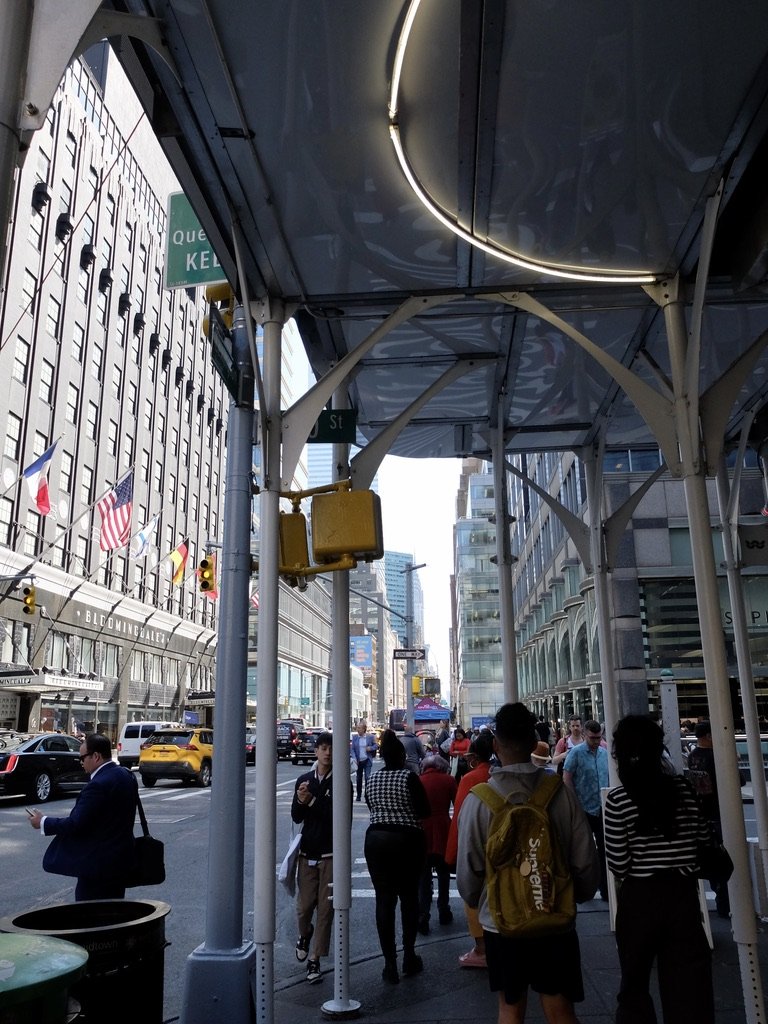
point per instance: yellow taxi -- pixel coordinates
(184, 753)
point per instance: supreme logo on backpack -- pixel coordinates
(529, 886)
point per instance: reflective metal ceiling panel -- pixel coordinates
(587, 135)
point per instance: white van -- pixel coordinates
(132, 736)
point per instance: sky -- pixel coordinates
(418, 501)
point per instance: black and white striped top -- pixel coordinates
(630, 854)
(396, 799)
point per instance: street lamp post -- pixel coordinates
(409, 570)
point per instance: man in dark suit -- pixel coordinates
(95, 842)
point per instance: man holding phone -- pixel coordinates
(95, 842)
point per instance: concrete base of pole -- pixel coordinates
(341, 1010)
(217, 986)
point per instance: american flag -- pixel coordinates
(115, 510)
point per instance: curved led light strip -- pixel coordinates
(571, 273)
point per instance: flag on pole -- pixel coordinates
(255, 599)
(179, 559)
(115, 509)
(36, 476)
(140, 542)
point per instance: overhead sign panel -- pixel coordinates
(189, 257)
(334, 426)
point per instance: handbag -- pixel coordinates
(714, 863)
(148, 855)
(286, 874)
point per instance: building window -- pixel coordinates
(21, 360)
(127, 450)
(117, 382)
(97, 360)
(92, 423)
(12, 437)
(78, 342)
(112, 437)
(65, 473)
(83, 280)
(53, 319)
(145, 465)
(31, 539)
(133, 398)
(6, 522)
(29, 293)
(46, 382)
(73, 404)
(86, 486)
(36, 225)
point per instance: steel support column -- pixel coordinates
(713, 650)
(341, 1006)
(218, 976)
(744, 662)
(504, 566)
(265, 836)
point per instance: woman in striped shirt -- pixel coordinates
(653, 828)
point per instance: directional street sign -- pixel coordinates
(410, 654)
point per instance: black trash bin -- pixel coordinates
(125, 940)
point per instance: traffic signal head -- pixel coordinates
(28, 596)
(207, 574)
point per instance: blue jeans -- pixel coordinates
(363, 768)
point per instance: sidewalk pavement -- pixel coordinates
(449, 994)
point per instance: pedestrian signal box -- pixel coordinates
(347, 523)
(294, 549)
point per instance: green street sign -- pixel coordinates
(334, 426)
(189, 257)
(222, 353)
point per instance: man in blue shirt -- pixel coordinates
(586, 772)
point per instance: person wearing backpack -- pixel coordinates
(526, 857)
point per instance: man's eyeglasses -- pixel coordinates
(85, 757)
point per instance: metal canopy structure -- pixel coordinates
(587, 139)
(499, 226)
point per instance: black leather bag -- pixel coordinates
(715, 864)
(149, 855)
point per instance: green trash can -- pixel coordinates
(125, 942)
(36, 974)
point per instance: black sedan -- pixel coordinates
(40, 766)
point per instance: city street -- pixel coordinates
(178, 815)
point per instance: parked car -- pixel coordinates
(288, 736)
(185, 753)
(304, 750)
(250, 747)
(40, 766)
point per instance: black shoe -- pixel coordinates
(423, 926)
(313, 972)
(412, 964)
(446, 916)
(358, 800)
(302, 946)
(390, 974)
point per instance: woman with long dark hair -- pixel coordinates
(395, 853)
(653, 830)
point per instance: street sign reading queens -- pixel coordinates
(189, 256)
(410, 653)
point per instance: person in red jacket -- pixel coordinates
(440, 788)
(479, 761)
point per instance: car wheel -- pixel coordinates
(204, 778)
(148, 781)
(43, 788)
